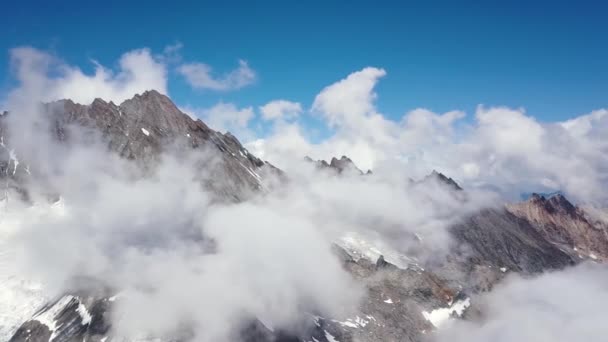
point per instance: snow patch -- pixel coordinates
(330, 337)
(252, 173)
(440, 316)
(20, 298)
(13, 157)
(355, 323)
(48, 316)
(389, 301)
(358, 246)
(84, 313)
(145, 131)
(503, 269)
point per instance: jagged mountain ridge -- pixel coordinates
(339, 166)
(141, 129)
(441, 178)
(564, 225)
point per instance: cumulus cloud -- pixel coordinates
(557, 307)
(280, 109)
(226, 117)
(50, 78)
(200, 76)
(351, 99)
(501, 147)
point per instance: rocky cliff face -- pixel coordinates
(564, 225)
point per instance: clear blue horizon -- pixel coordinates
(551, 59)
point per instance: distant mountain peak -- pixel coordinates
(553, 203)
(564, 224)
(151, 93)
(524, 196)
(344, 164)
(443, 179)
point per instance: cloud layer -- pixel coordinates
(280, 110)
(558, 307)
(49, 77)
(500, 147)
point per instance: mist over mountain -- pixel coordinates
(136, 222)
(303, 172)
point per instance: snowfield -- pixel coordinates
(21, 298)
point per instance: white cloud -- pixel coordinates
(502, 147)
(509, 131)
(199, 76)
(586, 127)
(38, 72)
(226, 117)
(347, 101)
(280, 109)
(558, 307)
(172, 53)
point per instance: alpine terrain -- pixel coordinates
(409, 283)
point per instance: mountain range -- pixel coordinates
(404, 298)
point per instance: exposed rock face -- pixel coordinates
(344, 164)
(500, 239)
(141, 129)
(564, 225)
(396, 300)
(69, 318)
(81, 314)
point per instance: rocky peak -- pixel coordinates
(150, 124)
(157, 110)
(564, 224)
(442, 179)
(344, 164)
(554, 204)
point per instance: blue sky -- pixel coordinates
(550, 58)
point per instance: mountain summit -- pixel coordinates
(565, 225)
(142, 129)
(342, 165)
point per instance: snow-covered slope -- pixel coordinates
(20, 297)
